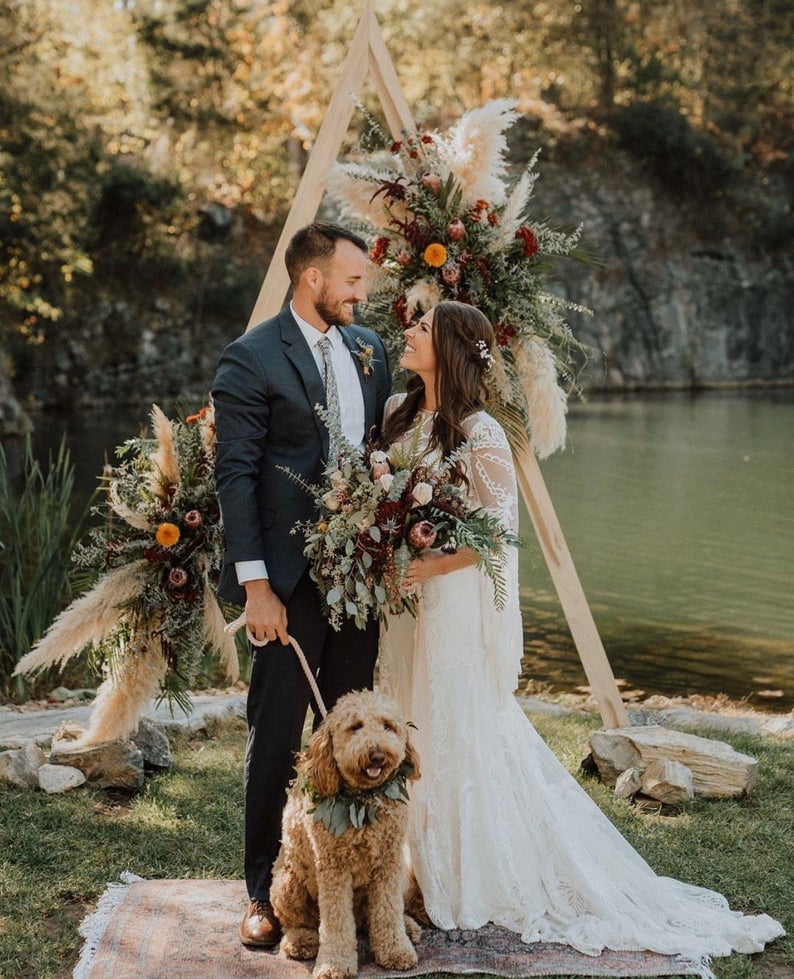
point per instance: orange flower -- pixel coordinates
(202, 413)
(435, 255)
(167, 534)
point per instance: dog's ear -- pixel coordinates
(318, 764)
(412, 756)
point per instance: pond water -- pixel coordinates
(679, 515)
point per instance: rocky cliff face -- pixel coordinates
(674, 302)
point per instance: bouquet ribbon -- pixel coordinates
(232, 627)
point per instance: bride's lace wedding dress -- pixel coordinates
(499, 830)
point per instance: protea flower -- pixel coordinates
(422, 535)
(193, 519)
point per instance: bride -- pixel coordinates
(500, 831)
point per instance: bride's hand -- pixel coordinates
(433, 563)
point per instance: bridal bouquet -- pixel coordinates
(446, 224)
(151, 612)
(376, 514)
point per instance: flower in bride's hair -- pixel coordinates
(167, 534)
(422, 493)
(435, 255)
(422, 535)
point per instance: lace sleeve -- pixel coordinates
(491, 470)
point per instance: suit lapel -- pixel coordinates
(298, 353)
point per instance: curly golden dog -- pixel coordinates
(341, 862)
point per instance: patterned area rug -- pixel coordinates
(187, 929)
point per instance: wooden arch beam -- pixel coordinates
(369, 57)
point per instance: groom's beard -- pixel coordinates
(338, 313)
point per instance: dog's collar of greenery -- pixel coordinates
(347, 808)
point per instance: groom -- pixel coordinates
(265, 390)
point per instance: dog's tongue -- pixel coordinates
(373, 771)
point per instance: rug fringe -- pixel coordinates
(92, 928)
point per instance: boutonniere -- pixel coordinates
(366, 356)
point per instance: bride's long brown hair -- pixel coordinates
(463, 339)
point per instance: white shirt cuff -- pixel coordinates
(250, 570)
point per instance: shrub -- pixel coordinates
(39, 526)
(689, 162)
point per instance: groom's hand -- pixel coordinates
(265, 614)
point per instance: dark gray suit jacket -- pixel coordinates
(264, 394)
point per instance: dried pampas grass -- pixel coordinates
(124, 695)
(217, 638)
(547, 403)
(475, 148)
(352, 188)
(165, 461)
(87, 620)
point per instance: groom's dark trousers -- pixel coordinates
(277, 701)
(265, 392)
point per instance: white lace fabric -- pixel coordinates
(499, 830)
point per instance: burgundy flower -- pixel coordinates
(379, 250)
(456, 230)
(177, 578)
(193, 519)
(422, 535)
(528, 240)
(450, 274)
(431, 181)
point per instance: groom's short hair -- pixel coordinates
(315, 244)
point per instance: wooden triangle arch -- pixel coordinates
(368, 56)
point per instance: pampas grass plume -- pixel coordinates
(125, 694)
(87, 620)
(165, 461)
(547, 404)
(474, 150)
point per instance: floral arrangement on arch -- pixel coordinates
(152, 613)
(376, 513)
(447, 225)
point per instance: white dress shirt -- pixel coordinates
(351, 407)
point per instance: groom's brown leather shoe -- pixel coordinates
(260, 926)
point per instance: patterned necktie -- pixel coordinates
(331, 396)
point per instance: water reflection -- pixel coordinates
(678, 513)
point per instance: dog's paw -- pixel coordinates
(412, 928)
(335, 970)
(401, 956)
(300, 943)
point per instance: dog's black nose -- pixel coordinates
(377, 757)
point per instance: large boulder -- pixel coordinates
(718, 772)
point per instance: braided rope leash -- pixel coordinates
(232, 627)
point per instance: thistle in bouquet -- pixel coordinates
(150, 612)
(376, 513)
(447, 223)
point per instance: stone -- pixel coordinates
(61, 694)
(18, 766)
(718, 772)
(69, 731)
(112, 765)
(668, 781)
(151, 739)
(59, 778)
(628, 783)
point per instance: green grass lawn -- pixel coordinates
(58, 853)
